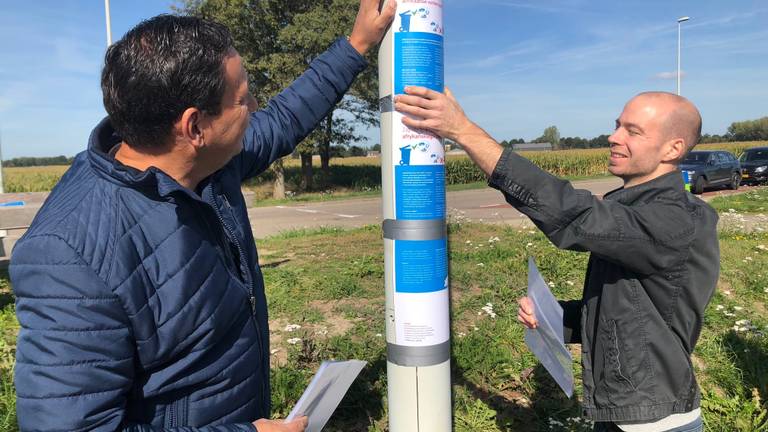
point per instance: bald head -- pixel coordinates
(679, 117)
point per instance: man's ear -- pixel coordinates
(190, 127)
(674, 150)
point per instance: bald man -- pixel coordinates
(654, 259)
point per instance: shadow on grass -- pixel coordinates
(750, 355)
(519, 410)
(363, 404)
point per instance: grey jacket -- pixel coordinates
(653, 269)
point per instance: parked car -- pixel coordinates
(711, 168)
(754, 165)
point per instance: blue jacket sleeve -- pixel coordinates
(75, 352)
(291, 115)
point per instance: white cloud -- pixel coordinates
(669, 75)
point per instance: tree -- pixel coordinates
(277, 40)
(749, 130)
(551, 135)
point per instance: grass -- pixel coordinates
(754, 201)
(330, 282)
(335, 295)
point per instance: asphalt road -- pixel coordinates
(481, 205)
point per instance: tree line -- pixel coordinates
(748, 130)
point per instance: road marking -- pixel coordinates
(346, 215)
(306, 210)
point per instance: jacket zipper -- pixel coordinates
(249, 282)
(244, 274)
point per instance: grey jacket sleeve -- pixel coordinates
(645, 238)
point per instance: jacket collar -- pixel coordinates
(103, 138)
(672, 181)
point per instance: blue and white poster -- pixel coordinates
(418, 158)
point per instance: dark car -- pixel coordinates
(754, 165)
(711, 168)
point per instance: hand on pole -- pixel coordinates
(433, 111)
(370, 24)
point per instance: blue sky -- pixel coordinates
(517, 66)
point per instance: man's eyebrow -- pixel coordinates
(628, 125)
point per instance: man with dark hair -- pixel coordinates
(654, 259)
(138, 289)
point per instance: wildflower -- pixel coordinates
(719, 307)
(737, 308)
(488, 309)
(480, 265)
(378, 334)
(529, 245)
(293, 341)
(291, 327)
(551, 284)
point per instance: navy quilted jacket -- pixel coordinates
(141, 302)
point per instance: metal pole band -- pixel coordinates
(386, 104)
(419, 356)
(430, 229)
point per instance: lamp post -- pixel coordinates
(679, 22)
(109, 25)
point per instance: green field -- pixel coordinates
(349, 176)
(330, 282)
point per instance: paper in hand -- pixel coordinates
(325, 392)
(546, 341)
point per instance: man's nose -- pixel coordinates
(614, 138)
(252, 104)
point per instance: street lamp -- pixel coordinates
(109, 24)
(679, 21)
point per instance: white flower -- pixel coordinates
(570, 283)
(488, 309)
(493, 239)
(529, 245)
(731, 211)
(291, 327)
(749, 258)
(551, 284)
(727, 292)
(729, 314)
(737, 308)
(480, 265)
(719, 307)
(293, 341)
(378, 334)
(468, 242)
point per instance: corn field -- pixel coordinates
(363, 172)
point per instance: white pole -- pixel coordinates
(109, 24)
(1, 165)
(679, 25)
(415, 235)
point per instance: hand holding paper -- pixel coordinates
(545, 340)
(325, 391)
